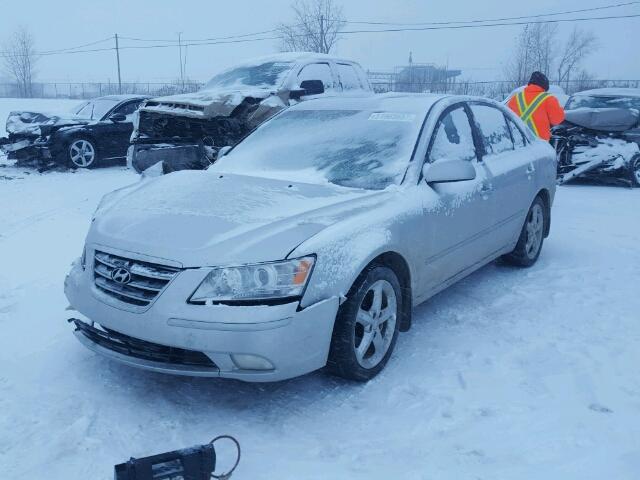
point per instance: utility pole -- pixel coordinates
(322, 44)
(181, 67)
(118, 60)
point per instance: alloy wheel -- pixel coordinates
(375, 324)
(535, 226)
(82, 153)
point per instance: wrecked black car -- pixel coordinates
(187, 131)
(94, 131)
(600, 137)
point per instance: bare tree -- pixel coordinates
(579, 45)
(19, 60)
(535, 50)
(316, 26)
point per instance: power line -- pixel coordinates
(484, 25)
(61, 50)
(583, 10)
(344, 32)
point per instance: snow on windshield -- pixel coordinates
(265, 75)
(593, 101)
(95, 109)
(358, 149)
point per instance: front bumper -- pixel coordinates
(174, 157)
(291, 340)
(25, 149)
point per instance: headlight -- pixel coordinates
(249, 283)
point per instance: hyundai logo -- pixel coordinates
(121, 275)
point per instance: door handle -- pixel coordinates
(531, 169)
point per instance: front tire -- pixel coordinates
(367, 325)
(531, 237)
(82, 153)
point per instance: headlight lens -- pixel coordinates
(262, 281)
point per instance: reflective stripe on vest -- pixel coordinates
(527, 111)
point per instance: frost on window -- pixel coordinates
(265, 75)
(494, 129)
(453, 138)
(317, 71)
(518, 136)
(95, 109)
(344, 147)
(349, 77)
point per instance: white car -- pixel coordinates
(309, 243)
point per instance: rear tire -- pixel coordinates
(531, 237)
(82, 153)
(367, 325)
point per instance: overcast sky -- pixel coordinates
(479, 53)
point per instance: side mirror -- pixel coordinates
(448, 171)
(118, 117)
(308, 87)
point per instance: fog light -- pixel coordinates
(251, 362)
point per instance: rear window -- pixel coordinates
(349, 77)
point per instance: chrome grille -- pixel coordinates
(146, 280)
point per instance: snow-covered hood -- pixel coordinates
(201, 218)
(603, 119)
(207, 103)
(35, 123)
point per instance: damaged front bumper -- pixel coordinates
(174, 157)
(26, 148)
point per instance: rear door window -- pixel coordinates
(317, 71)
(491, 122)
(349, 77)
(519, 140)
(453, 138)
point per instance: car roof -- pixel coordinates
(296, 57)
(418, 103)
(122, 97)
(611, 92)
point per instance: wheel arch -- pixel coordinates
(546, 199)
(399, 265)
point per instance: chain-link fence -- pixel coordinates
(497, 89)
(98, 89)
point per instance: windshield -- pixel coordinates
(95, 109)
(350, 148)
(593, 101)
(266, 75)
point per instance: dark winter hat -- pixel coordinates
(540, 79)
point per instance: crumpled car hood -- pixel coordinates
(201, 218)
(214, 102)
(603, 119)
(29, 122)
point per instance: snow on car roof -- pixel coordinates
(290, 57)
(122, 97)
(418, 103)
(611, 92)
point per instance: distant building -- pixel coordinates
(414, 78)
(423, 77)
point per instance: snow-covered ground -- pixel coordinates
(523, 374)
(511, 374)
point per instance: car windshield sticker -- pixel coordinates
(393, 117)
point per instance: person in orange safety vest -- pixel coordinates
(537, 108)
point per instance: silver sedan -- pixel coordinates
(309, 243)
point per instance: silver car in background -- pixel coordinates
(309, 243)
